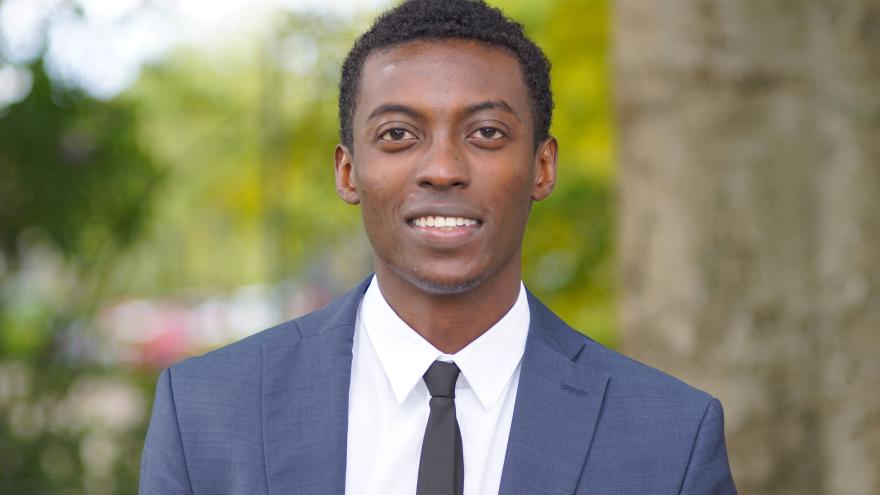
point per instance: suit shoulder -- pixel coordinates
(654, 423)
(632, 379)
(245, 354)
(627, 378)
(239, 356)
(235, 368)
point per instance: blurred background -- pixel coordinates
(166, 188)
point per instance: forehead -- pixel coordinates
(442, 74)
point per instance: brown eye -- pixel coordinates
(396, 134)
(490, 133)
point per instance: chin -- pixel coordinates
(440, 286)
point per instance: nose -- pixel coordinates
(443, 166)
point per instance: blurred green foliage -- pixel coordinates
(74, 176)
(212, 172)
(73, 168)
(77, 187)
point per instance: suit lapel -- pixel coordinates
(556, 411)
(305, 401)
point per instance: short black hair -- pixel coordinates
(416, 20)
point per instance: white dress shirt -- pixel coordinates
(388, 400)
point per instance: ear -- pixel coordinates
(345, 184)
(545, 169)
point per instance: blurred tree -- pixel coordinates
(75, 183)
(73, 174)
(247, 132)
(76, 190)
(750, 225)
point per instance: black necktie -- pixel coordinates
(441, 467)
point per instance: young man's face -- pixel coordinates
(444, 165)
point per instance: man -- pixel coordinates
(441, 374)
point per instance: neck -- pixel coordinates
(451, 321)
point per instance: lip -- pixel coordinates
(440, 210)
(443, 237)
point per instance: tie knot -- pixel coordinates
(440, 379)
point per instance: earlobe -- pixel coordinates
(545, 169)
(344, 172)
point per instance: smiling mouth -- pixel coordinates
(439, 222)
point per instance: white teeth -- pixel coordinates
(443, 222)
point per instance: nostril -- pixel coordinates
(443, 177)
(442, 184)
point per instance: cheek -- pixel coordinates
(378, 177)
(371, 187)
(379, 206)
(515, 187)
(513, 200)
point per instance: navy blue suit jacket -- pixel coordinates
(269, 415)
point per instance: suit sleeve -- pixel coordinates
(163, 464)
(708, 472)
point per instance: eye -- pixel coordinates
(488, 133)
(396, 134)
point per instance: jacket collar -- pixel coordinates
(306, 378)
(556, 412)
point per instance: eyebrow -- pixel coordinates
(470, 110)
(491, 105)
(394, 108)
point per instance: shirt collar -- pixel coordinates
(487, 363)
